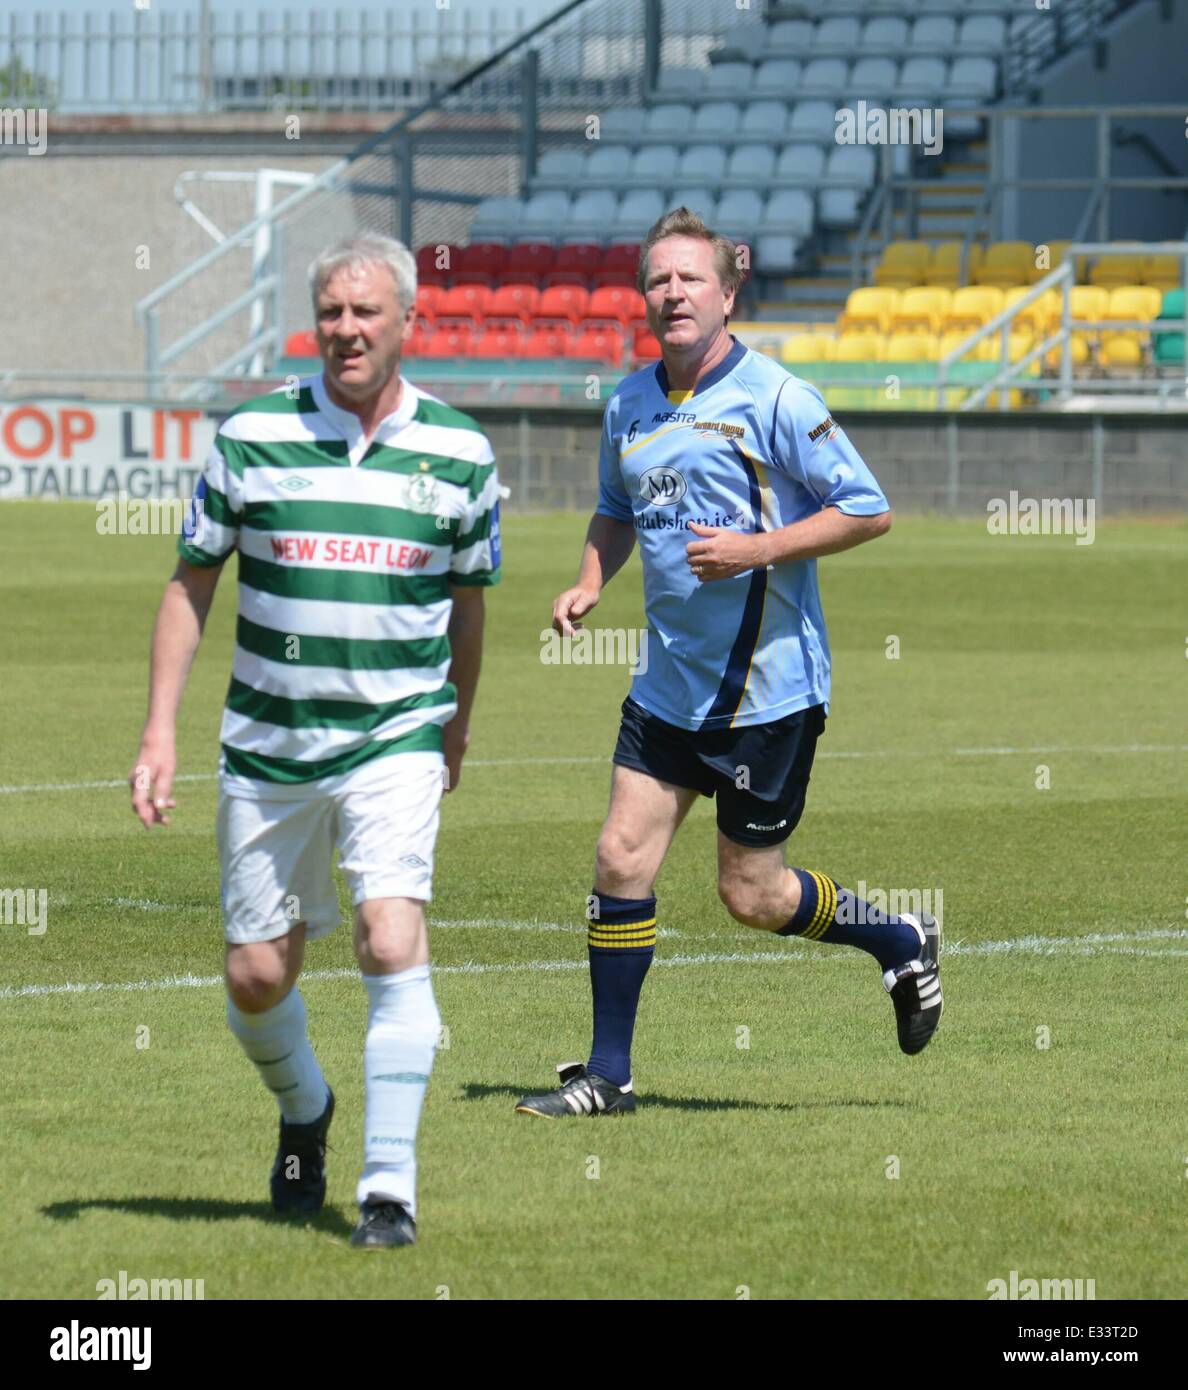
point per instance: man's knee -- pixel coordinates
(746, 900)
(620, 859)
(260, 974)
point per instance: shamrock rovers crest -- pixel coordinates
(422, 492)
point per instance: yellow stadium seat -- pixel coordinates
(1039, 314)
(910, 347)
(945, 266)
(973, 306)
(869, 309)
(903, 263)
(953, 339)
(1163, 272)
(1006, 263)
(1111, 271)
(807, 347)
(859, 347)
(1121, 349)
(1057, 252)
(1132, 302)
(1080, 352)
(921, 308)
(1088, 302)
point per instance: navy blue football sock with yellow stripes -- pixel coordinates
(622, 942)
(830, 913)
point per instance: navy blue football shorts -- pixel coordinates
(759, 774)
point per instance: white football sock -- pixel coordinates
(276, 1040)
(402, 1029)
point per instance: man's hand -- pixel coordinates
(151, 779)
(568, 607)
(722, 553)
(455, 739)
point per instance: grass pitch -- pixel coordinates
(1024, 753)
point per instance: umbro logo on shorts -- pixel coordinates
(296, 484)
(412, 861)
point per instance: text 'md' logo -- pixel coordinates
(662, 486)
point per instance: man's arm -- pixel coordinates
(721, 554)
(180, 620)
(609, 543)
(466, 648)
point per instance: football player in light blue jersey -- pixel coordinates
(734, 478)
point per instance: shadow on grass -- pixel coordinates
(652, 1101)
(198, 1209)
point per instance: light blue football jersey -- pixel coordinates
(752, 448)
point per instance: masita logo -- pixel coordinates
(662, 486)
(75, 1343)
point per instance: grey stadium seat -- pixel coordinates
(933, 31)
(638, 210)
(652, 166)
(730, 80)
(592, 212)
(670, 118)
(607, 162)
(813, 122)
(701, 163)
(775, 254)
(740, 213)
(497, 219)
(921, 81)
(838, 207)
(789, 211)
(703, 201)
(803, 162)
(983, 33)
(824, 77)
(972, 82)
(562, 164)
(843, 33)
(777, 77)
(872, 78)
(789, 38)
(622, 123)
(543, 216)
(679, 84)
(884, 34)
(755, 162)
(765, 118)
(715, 118)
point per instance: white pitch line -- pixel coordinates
(1095, 944)
(996, 752)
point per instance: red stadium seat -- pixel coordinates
(498, 342)
(583, 258)
(623, 256)
(530, 260)
(605, 344)
(616, 305)
(551, 341)
(620, 279)
(517, 301)
(486, 258)
(415, 347)
(465, 302)
(563, 302)
(304, 344)
(429, 299)
(644, 345)
(428, 272)
(453, 341)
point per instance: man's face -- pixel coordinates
(361, 329)
(686, 304)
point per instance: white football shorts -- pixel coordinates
(276, 855)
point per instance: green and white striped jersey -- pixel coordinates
(347, 552)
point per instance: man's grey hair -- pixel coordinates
(371, 249)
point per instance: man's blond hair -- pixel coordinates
(684, 221)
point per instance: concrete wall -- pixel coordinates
(550, 459)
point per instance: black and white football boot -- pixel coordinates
(299, 1172)
(580, 1094)
(915, 987)
(383, 1225)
